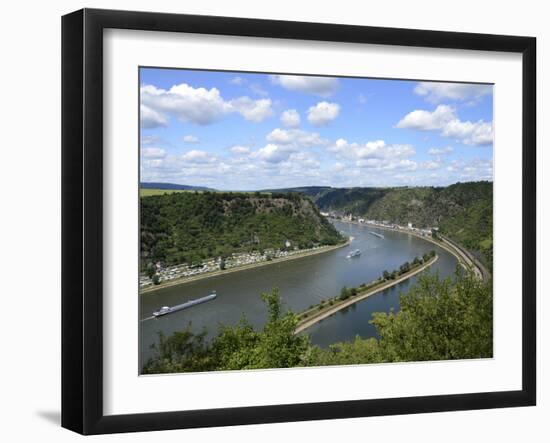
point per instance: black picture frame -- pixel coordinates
(82, 218)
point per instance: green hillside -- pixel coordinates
(463, 211)
(187, 227)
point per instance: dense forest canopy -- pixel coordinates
(439, 319)
(188, 227)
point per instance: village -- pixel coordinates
(350, 218)
(235, 260)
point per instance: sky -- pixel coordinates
(247, 131)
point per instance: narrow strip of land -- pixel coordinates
(327, 312)
(464, 257)
(183, 280)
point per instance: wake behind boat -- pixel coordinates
(376, 234)
(171, 309)
(354, 253)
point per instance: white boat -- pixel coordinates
(162, 311)
(354, 253)
(376, 234)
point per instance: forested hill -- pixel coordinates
(172, 187)
(463, 211)
(188, 227)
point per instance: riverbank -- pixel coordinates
(330, 310)
(464, 258)
(184, 280)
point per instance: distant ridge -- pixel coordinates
(173, 186)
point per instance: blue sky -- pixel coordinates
(241, 131)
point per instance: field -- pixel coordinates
(146, 192)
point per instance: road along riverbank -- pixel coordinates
(183, 280)
(479, 269)
(330, 310)
(466, 260)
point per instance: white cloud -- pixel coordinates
(385, 164)
(151, 140)
(478, 133)
(322, 86)
(198, 157)
(323, 113)
(188, 104)
(190, 139)
(431, 165)
(426, 120)
(253, 110)
(152, 152)
(437, 92)
(240, 150)
(369, 163)
(295, 137)
(257, 89)
(338, 167)
(287, 153)
(239, 81)
(440, 151)
(290, 118)
(150, 118)
(298, 162)
(476, 169)
(202, 106)
(152, 163)
(372, 149)
(273, 153)
(376, 155)
(362, 98)
(404, 164)
(444, 120)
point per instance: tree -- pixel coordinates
(386, 275)
(344, 293)
(439, 319)
(150, 270)
(156, 279)
(182, 351)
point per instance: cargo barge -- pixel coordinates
(165, 310)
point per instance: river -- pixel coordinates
(301, 283)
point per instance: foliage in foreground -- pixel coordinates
(235, 347)
(439, 319)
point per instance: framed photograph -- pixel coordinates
(269, 221)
